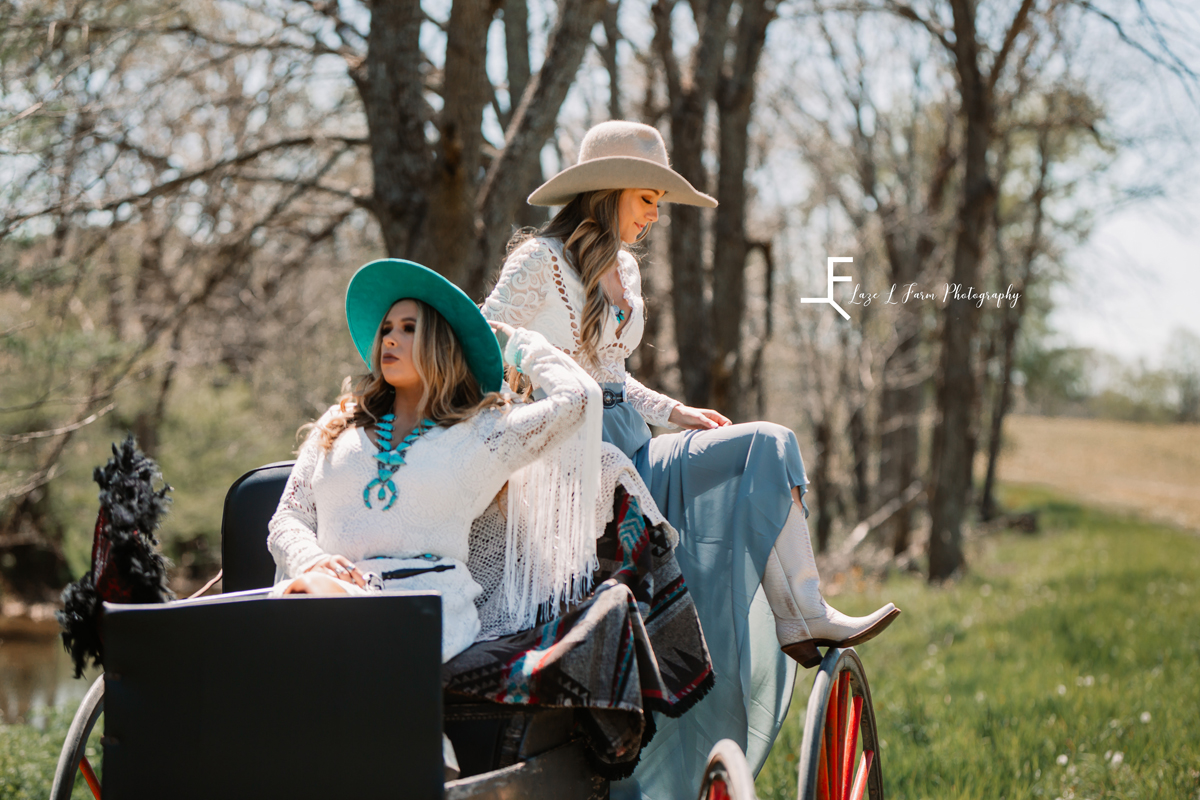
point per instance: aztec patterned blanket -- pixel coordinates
(634, 646)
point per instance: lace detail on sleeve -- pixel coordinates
(655, 408)
(527, 430)
(292, 531)
(520, 291)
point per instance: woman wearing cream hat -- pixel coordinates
(733, 491)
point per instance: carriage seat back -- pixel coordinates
(248, 697)
(249, 505)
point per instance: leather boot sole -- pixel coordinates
(808, 656)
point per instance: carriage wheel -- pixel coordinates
(839, 756)
(72, 759)
(727, 776)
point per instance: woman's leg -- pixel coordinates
(803, 620)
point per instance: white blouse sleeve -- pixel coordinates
(292, 531)
(520, 291)
(526, 430)
(654, 407)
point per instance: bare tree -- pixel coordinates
(1063, 121)
(885, 159)
(196, 160)
(720, 68)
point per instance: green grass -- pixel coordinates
(28, 757)
(1064, 665)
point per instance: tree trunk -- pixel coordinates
(822, 483)
(689, 97)
(903, 396)
(957, 394)
(431, 204)
(1013, 317)
(756, 387)
(392, 92)
(516, 44)
(446, 245)
(900, 411)
(735, 99)
(860, 447)
(517, 170)
(516, 53)
(608, 54)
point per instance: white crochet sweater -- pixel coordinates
(540, 290)
(451, 475)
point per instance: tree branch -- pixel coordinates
(163, 188)
(22, 438)
(908, 12)
(1010, 38)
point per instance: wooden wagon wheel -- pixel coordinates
(727, 775)
(72, 758)
(839, 755)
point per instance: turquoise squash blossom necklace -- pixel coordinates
(390, 458)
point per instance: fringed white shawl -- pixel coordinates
(550, 527)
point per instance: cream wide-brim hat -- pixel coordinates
(620, 155)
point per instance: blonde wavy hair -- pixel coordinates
(587, 227)
(451, 392)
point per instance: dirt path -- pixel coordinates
(1151, 469)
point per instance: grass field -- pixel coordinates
(28, 757)
(1143, 467)
(1065, 665)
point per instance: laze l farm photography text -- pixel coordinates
(899, 294)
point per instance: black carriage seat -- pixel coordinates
(249, 505)
(486, 736)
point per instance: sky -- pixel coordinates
(1137, 278)
(1134, 282)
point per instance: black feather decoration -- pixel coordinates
(126, 567)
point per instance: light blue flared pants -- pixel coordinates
(727, 492)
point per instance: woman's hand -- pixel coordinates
(339, 567)
(503, 332)
(315, 583)
(697, 419)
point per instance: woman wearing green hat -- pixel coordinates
(733, 491)
(391, 478)
(427, 475)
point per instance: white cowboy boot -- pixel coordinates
(803, 620)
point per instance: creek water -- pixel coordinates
(36, 675)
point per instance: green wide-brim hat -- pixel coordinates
(377, 286)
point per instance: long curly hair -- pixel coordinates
(587, 227)
(451, 392)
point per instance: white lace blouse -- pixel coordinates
(540, 290)
(451, 475)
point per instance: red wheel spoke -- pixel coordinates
(823, 770)
(718, 790)
(89, 775)
(851, 745)
(843, 692)
(860, 780)
(830, 740)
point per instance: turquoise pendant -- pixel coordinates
(390, 459)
